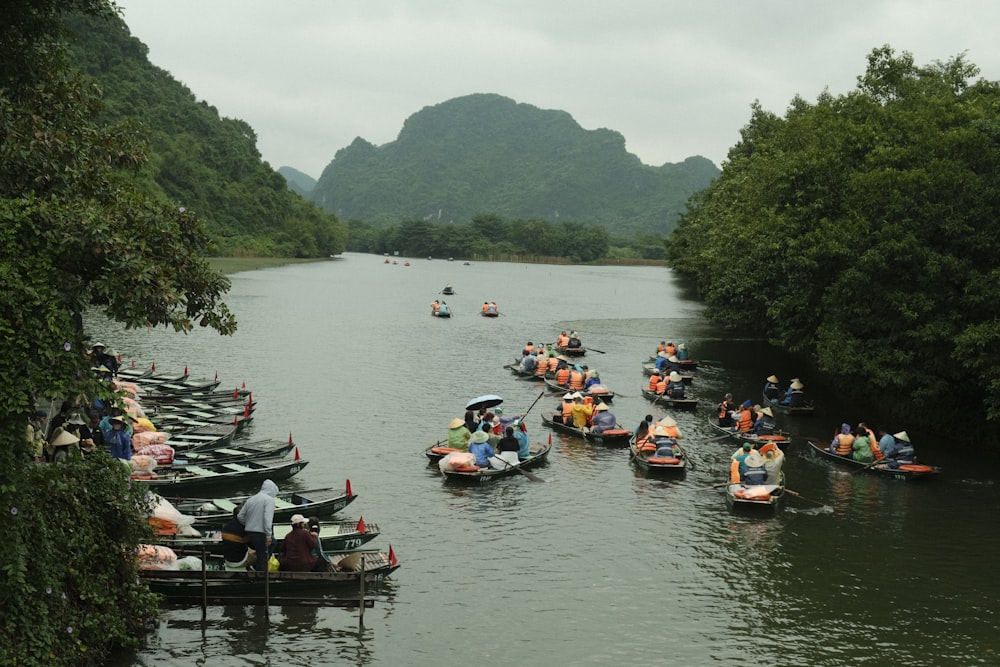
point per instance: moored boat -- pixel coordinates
(663, 399)
(218, 510)
(618, 437)
(333, 536)
(906, 471)
(214, 475)
(234, 453)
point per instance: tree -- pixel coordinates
(76, 233)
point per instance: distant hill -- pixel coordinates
(300, 183)
(486, 153)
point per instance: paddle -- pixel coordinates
(727, 435)
(525, 413)
(715, 486)
(594, 349)
(531, 476)
(799, 495)
(867, 466)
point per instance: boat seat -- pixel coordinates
(236, 467)
(280, 504)
(224, 504)
(202, 472)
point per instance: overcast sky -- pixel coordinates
(674, 78)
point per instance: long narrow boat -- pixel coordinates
(345, 574)
(607, 396)
(618, 437)
(763, 497)
(335, 536)
(156, 397)
(808, 408)
(186, 386)
(515, 369)
(235, 453)
(906, 471)
(204, 438)
(149, 376)
(485, 313)
(568, 351)
(663, 399)
(647, 460)
(539, 453)
(215, 475)
(780, 439)
(687, 365)
(650, 369)
(215, 511)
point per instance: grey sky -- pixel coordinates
(674, 78)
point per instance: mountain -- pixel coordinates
(298, 182)
(485, 153)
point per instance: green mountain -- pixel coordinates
(486, 153)
(298, 182)
(208, 164)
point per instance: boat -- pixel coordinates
(216, 511)
(476, 475)
(214, 475)
(687, 365)
(176, 423)
(568, 351)
(606, 395)
(780, 439)
(650, 369)
(157, 396)
(234, 453)
(487, 313)
(647, 461)
(515, 368)
(448, 289)
(215, 582)
(182, 387)
(204, 438)
(618, 437)
(906, 471)
(762, 497)
(442, 311)
(663, 399)
(807, 408)
(199, 411)
(150, 376)
(334, 536)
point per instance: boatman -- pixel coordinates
(257, 516)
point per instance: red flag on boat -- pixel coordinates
(246, 411)
(236, 393)
(236, 420)
(296, 453)
(250, 397)
(550, 439)
(133, 363)
(185, 369)
(244, 384)
(348, 492)
(216, 375)
(361, 526)
(153, 367)
(392, 557)
(289, 437)
(119, 358)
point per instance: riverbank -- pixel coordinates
(228, 265)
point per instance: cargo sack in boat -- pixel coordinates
(273, 564)
(457, 460)
(143, 465)
(162, 454)
(156, 557)
(166, 517)
(148, 438)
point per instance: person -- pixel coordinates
(765, 424)
(565, 413)
(664, 443)
(443, 308)
(771, 390)
(562, 374)
(117, 437)
(742, 418)
(667, 364)
(604, 419)
(93, 429)
(528, 349)
(542, 365)
(493, 307)
(862, 451)
(654, 382)
(774, 458)
(486, 306)
(725, 411)
(64, 441)
(507, 449)
(794, 396)
(562, 340)
(529, 363)
(36, 435)
(102, 358)
(552, 365)
(574, 341)
(576, 379)
(523, 441)
(298, 549)
(58, 419)
(682, 352)
(645, 426)
(458, 434)
(872, 441)
(675, 388)
(436, 306)
(236, 551)
(670, 349)
(471, 422)
(479, 446)
(752, 471)
(843, 442)
(581, 411)
(257, 516)
(736, 462)
(897, 449)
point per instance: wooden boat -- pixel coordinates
(150, 376)
(345, 574)
(234, 453)
(156, 397)
(647, 460)
(568, 351)
(780, 439)
(763, 497)
(441, 312)
(687, 365)
(448, 289)
(806, 409)
(204, 438)
(905, 471)
(606, 396)
(199, 411)
(439, 450)
(485, 313)
(618, 437)
(539, 453)
(216, 511)
(334, 536)
(515, 369)
(663, 399)
(650, 369)
(191, 423)
(214, 475)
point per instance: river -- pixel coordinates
(599, 564)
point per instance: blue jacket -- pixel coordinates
(483, 451)
(602, 421)
(522, 439)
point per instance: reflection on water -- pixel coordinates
(600, 564)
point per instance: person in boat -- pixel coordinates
(582, 411)
(774, 458)
(843, 442)
(593, 378)
(645, 426)
(298, 549)
(552, 363)
(479, 446)
(235, 544)
(490, 307)
(670, 425)
(666, 445)
(523, 441)
(562, 374)
(603, 420)
(436, 306)
(862, 451)
(528, 349)
(562, 340)
(654, 382)
(257, 516)
(117, 437)
(443, 308)
(736, 462)
(458, 434)
(752, 471)
(872, 441)
(542, 365)
(576, 378)
(486, 306)
(764, 424)
(725, 411)
(675, 388)
(771, 390)
(682, 352)
(529, 363)
(670, 349)
(508, 448)
(794, 396)
(667, 364)
(574, 341)
(742, 418)
(564, 415)
(471, 422)
(897, 450)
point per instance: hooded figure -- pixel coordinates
(257, 516)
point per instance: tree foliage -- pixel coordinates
(861, 231)
(76, 233)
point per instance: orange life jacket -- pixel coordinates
(661, 386)
(562, 341)
(661, 347)
(552, 364)
(562, 376)
(873, 445)
(723, 410)
(670, 350)
(653, 380)
(575, 380)
(528, 349)
(567, 412)
(541, 367)
(844, 442)
(745, 422)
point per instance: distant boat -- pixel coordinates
(448, 289)
(451, 259)
(466, 264)
(406, 263)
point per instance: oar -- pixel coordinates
(531, 476)
(727, 435)
(799, 495)
(594, 349)
(715, 486)
(866, 467)
(525, 413)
